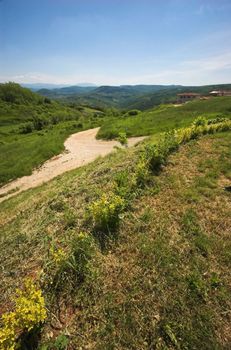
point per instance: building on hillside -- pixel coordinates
(187, 96)
(220, 93)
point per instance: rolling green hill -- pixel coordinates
(127, 96)
(104, 96)
(33, 129)
(65, 91)
(165, 117)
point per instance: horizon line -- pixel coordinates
(111, 85)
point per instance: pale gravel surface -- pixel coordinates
(80, 148)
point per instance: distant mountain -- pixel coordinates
(125, 96)
(39, 86)
(135, 89)
(103, 96)
(66, 91)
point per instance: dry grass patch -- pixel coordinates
(166, 285)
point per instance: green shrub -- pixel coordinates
(40, 122)
(29, 312)
(154, 156)
(68, 270)
(169, 142)
(122, 138)
(57, 256)
(200, 121)
(224, 126)
(186, 134)
(218, 119)
(191, 133)
(124, 185)
(26, 128)
(105, 212)
(81, 254)
(47, 100)
(133, 112)
(55, 119)
(142, 173)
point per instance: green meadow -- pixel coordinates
(165, 117)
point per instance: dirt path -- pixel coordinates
(80, 148)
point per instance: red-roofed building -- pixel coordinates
(187, 96)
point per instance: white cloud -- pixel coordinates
(217, 62)
(209, 70)
(206, 70)
(33, 77)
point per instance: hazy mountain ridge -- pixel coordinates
(50, 86)
(126, 96)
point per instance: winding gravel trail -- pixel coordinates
(80, 148)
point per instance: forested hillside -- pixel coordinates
(127, 96)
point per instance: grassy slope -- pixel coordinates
(165, 283)
(20, 153)
(165, 118)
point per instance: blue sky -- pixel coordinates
(115, 41)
